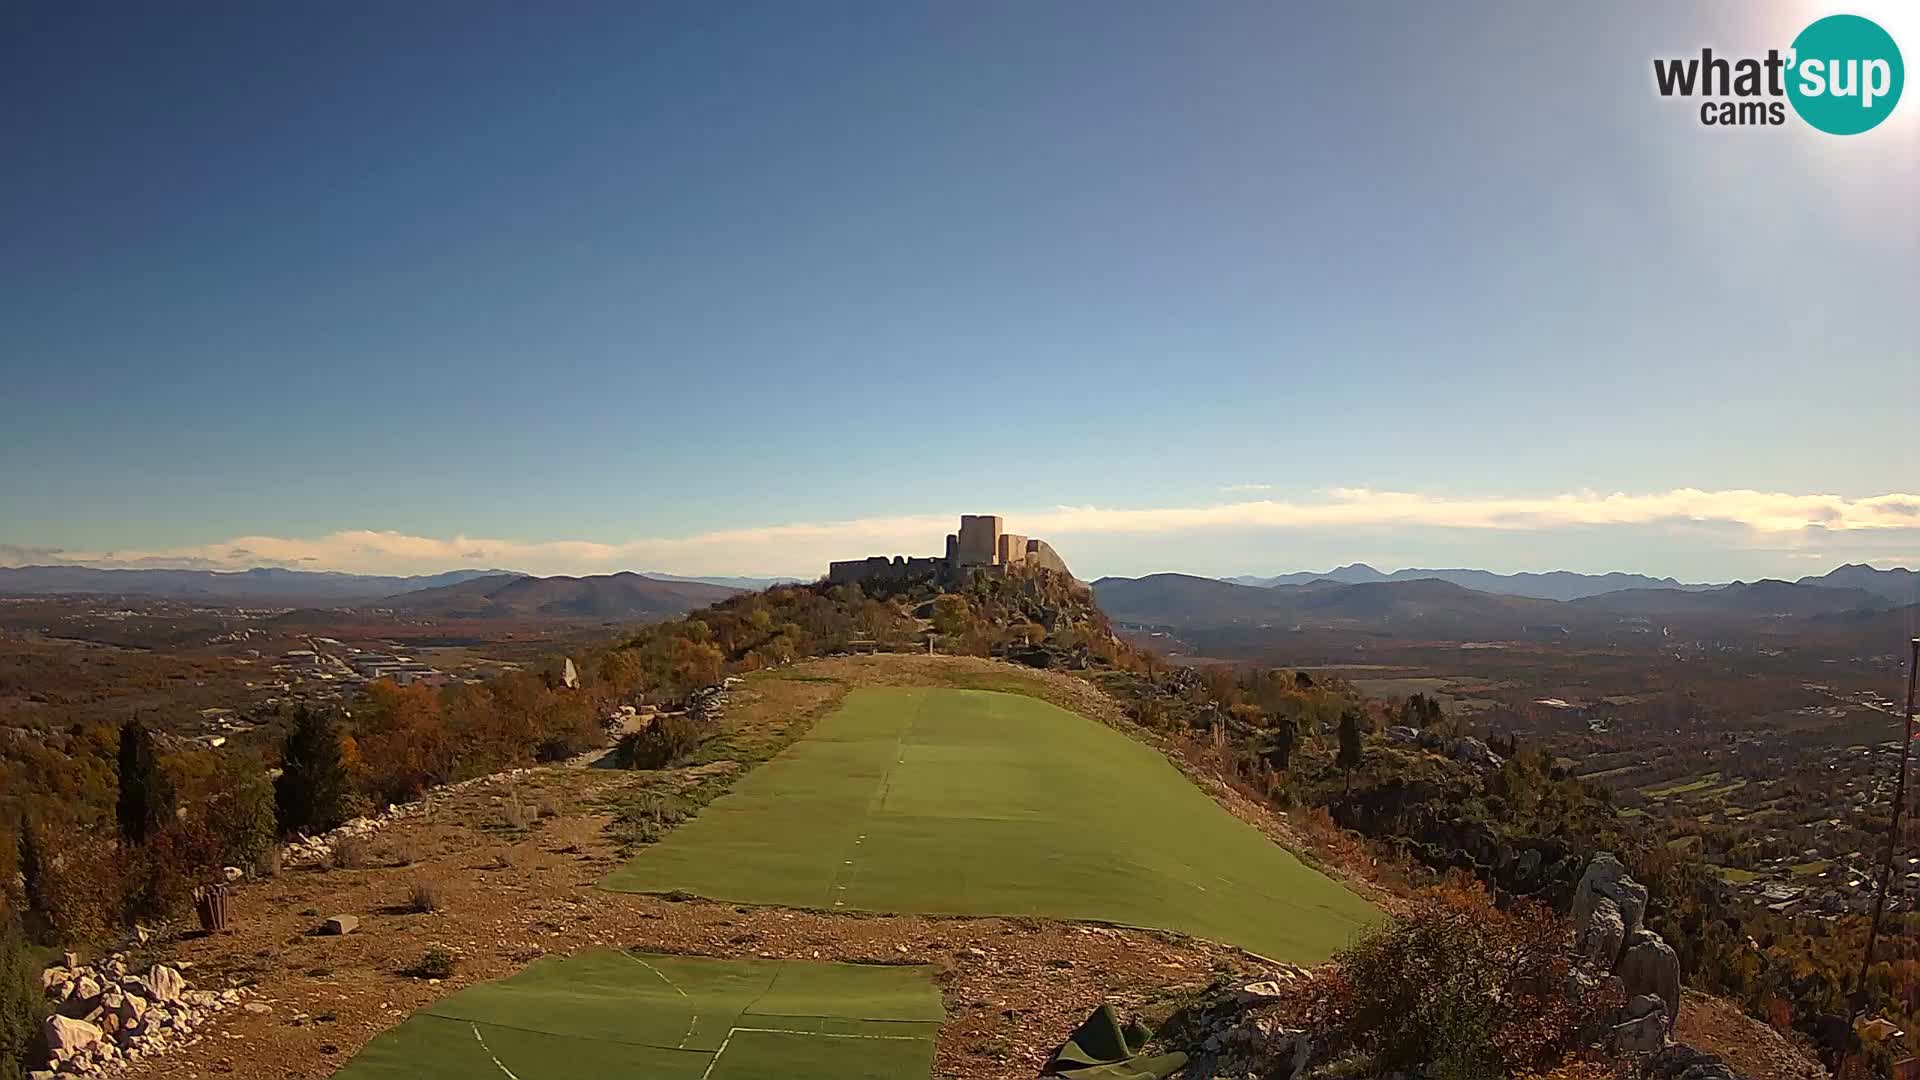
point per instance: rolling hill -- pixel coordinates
(1434, 607)
(1898, 585)
(602, 596)
(1760, 599)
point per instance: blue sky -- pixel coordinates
(648, 286)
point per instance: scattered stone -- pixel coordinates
(1259, 993)
(340, 925)
(165, 983)
(66, 1036)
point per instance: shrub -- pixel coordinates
(241, 811)
(1460, 990)
(162, 874)
(20, 1000)
(435, 963)
(667, 740)
(426, 897)
(514, 814)
(77, 894)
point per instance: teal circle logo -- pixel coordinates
(1846, 74)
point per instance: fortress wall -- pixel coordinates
(1011, 549)
(1041, 553)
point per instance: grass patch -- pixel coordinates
(636, 1016)
(973, 803)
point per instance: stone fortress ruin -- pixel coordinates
(979, 546)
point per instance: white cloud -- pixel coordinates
(1775, 518)
(1231, 489)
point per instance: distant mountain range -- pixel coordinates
(602, 596)
(262, 585)
(1436, 607)
(1558, 585)
(1898, 585)
(745, 584)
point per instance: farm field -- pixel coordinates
(969, 802)
(637, 1016)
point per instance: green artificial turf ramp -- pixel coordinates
(638, 1016)
(970, 802)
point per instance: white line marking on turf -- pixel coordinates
(690, 1026)
(731, 1032)
(830, 1034)
(489, 1050)
(656, 971)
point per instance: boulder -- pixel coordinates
(54, 979)
(165, 984)
(66, 1036)
(1650, 966)
(340, 924)
(1642, 1035)
(1259, 993)
(1605, 932)
(1607, 879)
(1644, 1004)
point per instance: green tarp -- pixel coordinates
(1103, 1048)
(613, 1015)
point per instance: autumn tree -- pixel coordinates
(404, 740)
(311, 795)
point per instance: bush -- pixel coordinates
(20, 1000)
(162, 874)
(241, 811)
(426, 898)
(667, 740)
(77, 894)
(435, 963)
(1460, 990)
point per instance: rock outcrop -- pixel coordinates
(1650, 967)
(1609, 913)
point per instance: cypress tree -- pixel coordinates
(146, 798)
(311, 794)
(1351, 748)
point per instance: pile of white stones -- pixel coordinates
(106, 1016)
(304, 851)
